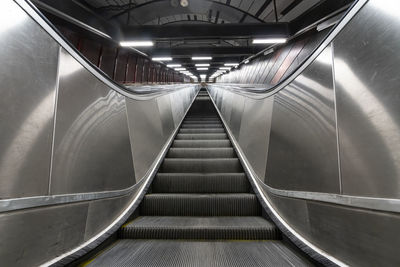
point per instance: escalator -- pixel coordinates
(200, 209)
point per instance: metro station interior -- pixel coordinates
(199, 133)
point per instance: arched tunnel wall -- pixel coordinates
(73, 153)
(324, 146)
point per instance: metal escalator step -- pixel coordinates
(198, 165)
(200, 183)
(183, 253)
(202, 136)
(178, 227)
(201, 143)
(207, 152)
(200, 205)
(203, 130)
(193, 126)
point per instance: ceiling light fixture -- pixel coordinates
(202, 68)
(180, 69)
(161, 58)
(202, 65)
(269, 41)
(136, 43)
(225, 68)
(174, 65)
(201, 58)
(231, 64)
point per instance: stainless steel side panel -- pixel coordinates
(165, 111)
(302, 154)
(254, 132)
(34, 236)
(146, 133)
(91, 145)
(26, 104)
(237, 105)
(367, 63)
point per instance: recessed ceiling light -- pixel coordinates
(162, 58)
(202, 68)
(202, 65)
(270, 41)
(136, 43)
(225, 68)
(231, 64)
(201, 58)
(174, 65)
(179, 69)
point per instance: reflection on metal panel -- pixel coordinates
(31, 237)
(254, 132)
(146, 133)
(368, 101)
(303, 151)
(91, 145)
(237, 104)
(26, 104)
(167, 120)
(102, 212)
(226, 106)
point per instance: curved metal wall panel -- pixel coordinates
(256, 124)
(302, 154)
(146, 132)
(26, 125)
(91, 145)
(367, 79)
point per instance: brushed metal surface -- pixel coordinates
(226, 105)
(237, 104)
(146, 133)
(31, 237)
(102, 212)
(368, 101)
(167, 120)
(302, 153)
(26, 104)
(254, 132)
(91, 145)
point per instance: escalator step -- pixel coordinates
(210, 121)
(220, 152)
(200, 205)
(217, 165)
(203, 136)
(167, 227)
(193, 126)
(203, 130)
(195, 253)
(201, 143)
(200, 183)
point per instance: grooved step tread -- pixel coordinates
(241, 204)
(205, 152)
(183, 253)
(179, 227)
(202, 130)
(195, 126)
(202, 136)
(201, 165)
(201, 143)
(200, 183)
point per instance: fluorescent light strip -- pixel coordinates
(269, 41)
(202, 65)
(201, 58)
(179, 69)
(202, 68)
(225, 68)
(136, 43)
(231, 64)
(174, 65)
(161, 58)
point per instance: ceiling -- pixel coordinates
(223, 29)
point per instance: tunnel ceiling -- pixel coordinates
(223, 29)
